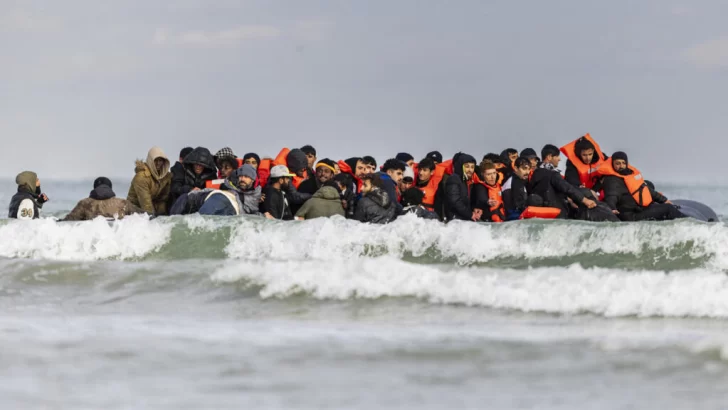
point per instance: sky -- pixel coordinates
(87, 87)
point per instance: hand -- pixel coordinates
(269, 216)
(589, 203)
(43, 198)
(668, 202)
(477, 213)
(195, 189)
(492, 202)
(616, 212)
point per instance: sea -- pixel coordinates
(244, 313)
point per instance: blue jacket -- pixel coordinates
(390, 187)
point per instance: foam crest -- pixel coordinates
(572, 290)
(130, 238)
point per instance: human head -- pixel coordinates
(344, 180)
(252, 158)
(412, 197)
(280, 174)
(550, 154)
(370, 162)
(435, 156)
(509, 155)
(157, 163)
(297, 162)
(620, 161)
(325, 170)
(357, 166)
(489, 172)
(102, 181)
(184, 152)
(425, 169)
(27, 181)
(310, 154)
(530, 153)
(464, 166)
(408, 179)
(225, 152)
(408, 159)
(370, 182)
(395, 169)
(227, 166)
(245, 176)
(585, 150)
(522, 167)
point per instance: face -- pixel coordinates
(159, 164)
(361, 169)
(523, 171)
(226, 169)
(553, 160)
(311, 160)
(534, 162)
(513, 156)
(469, 170)
(245, 182)
(371, 168)
(619, 164)
(252, 162)
(410, 163)
(198, 169)
(37, 182)
(587, 155)
(396, 175)
(403, 186)
(301, 172)
(286, 181)
(366, 186)
(424, 174)
(324, 174)
(491, 176)
(336, 167)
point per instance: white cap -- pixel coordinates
(279, 171)
(409, 173)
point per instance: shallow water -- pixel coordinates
(200, 312)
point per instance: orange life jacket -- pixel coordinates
(264, 171)
(497, 211)
(346, 169)
(282, 159)
(587, 172)
(542, 212)
(635, 183)
(430, 190)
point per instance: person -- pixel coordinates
(310, 152)
(325, 172)
(457, 190)
(509, 156)
(371, 163)
(584, 157)
(102, 201)
(552, 190)
(435, 156)
(178, 169)
(504, 172)
(375, 205)
(237, 195)
(348, 193)
(228, 165)
(551, 157)
(412, 201)
(251, 159)
(408, 179)
(29, 199)
(275, 205)
(225, 152)
(297, 162)
(408, 159)
(515, 196)
(487, 195)
(325, 203)
(391, 175)
(428, 181)
(629, 197)
(199, 168)
(530, 153)
(152, 182)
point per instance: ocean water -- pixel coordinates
(196, 312)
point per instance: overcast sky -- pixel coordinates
(86, 87)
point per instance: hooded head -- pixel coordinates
(102, 181)
(26, 181)
(459, 161)
(201, 156)
(154, 154)
(297, 161)
(621, 156)
(102, 189)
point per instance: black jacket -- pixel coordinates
(309, 186)
(457, 192)
(553, 189)
(515, 197)
(184, 178)
(618, 197)
(19, 197)
(295, 197)
(375, 207)
(276, 203)
(479, 199)
(390, 187)
(350, 197)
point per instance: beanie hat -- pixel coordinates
(247, 170)
(252, 155)
(404, 157)
(307, 149)
(620, 155)
(436, 156)
(297, 160)
(102, 181)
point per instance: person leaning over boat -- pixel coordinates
(102, 201)
(28, 201)
(150, 187)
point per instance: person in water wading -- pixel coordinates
(28, 201)
(150, 187)
(102, 201)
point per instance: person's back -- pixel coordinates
(27, 201)
(102, 201)
(326, 202)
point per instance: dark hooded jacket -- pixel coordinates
(375, 207)
(457, 191)
(102, 201)
(26, 190)
(390, 187)
(553, 189)
(515, 197)
(186, 181)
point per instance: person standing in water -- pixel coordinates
(151, 185)
(28, 201)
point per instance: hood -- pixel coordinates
(380, 198)
(153, 154)
(102, 192)
(26, 181)
(328, 193)
(459, 160)
(296, 160)
(201, 156)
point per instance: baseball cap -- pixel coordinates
(279, 171)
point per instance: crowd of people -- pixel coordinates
(298, 185)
